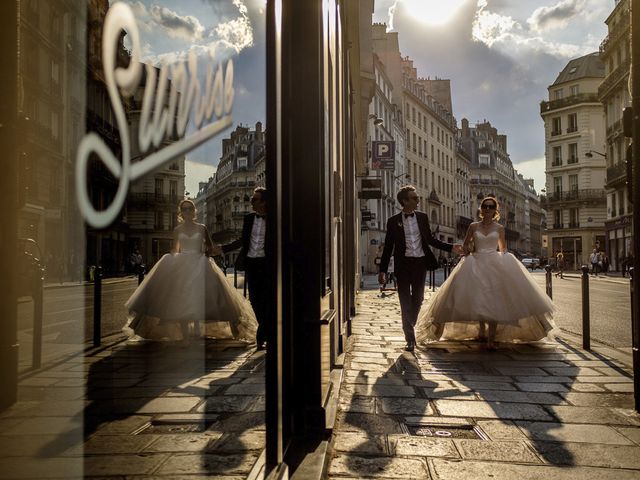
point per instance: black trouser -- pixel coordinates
(257, 279)
(411, 275)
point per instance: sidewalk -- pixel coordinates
(139, 410)
(456, 411)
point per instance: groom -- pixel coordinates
(408, 239)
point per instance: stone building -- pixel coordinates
(575, 171)
(614, 93)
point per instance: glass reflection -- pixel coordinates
(179, 389)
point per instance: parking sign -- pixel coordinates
(383, 155)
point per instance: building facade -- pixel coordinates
(614, 93)
(574, 134)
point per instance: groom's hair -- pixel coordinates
(403, 193)
(262, 191)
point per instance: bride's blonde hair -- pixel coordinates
(496, 214)
(186, 200)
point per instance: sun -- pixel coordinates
(433, 12)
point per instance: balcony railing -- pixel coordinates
(572, 160)
(151, 199)
(568, 101)
(572, 129)
(614, 77)
(616, 172)
(556, 132)
(556, 163)
(558, 226)
(619, 31)
(614, 128)
(574, 224)
(578, 195)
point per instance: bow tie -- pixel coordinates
(406, 215)
(260, 216)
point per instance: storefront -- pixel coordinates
(87, 85)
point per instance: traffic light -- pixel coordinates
(627, 127)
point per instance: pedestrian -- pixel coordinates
(560, 264)
(408, 238)
(253, 260)
(490, 296)
(605, 263)
(186, 287)
(594, 259)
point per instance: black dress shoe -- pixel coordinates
(410, 346)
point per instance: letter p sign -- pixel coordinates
(383, 157)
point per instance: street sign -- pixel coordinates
(383, 155)
(371, 188)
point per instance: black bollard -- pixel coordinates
(549, 286)
(586, 326)
(433, 280)
(97, 306)
(141, 272)
(635, 346)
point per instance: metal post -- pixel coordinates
(635, 334)
(38, 300)
(433, 280)
(548, 284)
(586, 325)
(97, 306)
(635, 104)
(141, 272)
(235, 278)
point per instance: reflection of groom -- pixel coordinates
(408, 239)
(252, 259)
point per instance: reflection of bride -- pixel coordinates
(489, 295)
(187, 286)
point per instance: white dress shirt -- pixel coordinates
(413, 239)
(256, 246)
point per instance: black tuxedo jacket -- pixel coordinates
(243, 243)
(394, 243)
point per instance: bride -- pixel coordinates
(489, 295)
(185, 287)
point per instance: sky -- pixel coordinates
(500, 55)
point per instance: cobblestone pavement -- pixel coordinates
(148, 410)
(457, 411)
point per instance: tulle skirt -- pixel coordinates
(487, 287)
(188, 287)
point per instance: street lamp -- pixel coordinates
(590, 153)
(377, 121)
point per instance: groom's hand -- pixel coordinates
(381, 278)
(457, 249)
(216, 250)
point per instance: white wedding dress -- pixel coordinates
(188, 286)
(487, 286)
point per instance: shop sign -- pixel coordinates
(366, 215)
(383, 155)
(170, 114)
(371, 188)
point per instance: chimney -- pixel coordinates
(465, 128)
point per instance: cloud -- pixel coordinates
(196, 172)
(555, 16)
(184, 27)
(489, 27)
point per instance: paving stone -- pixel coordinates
(603, 416)
(379, 390)
(41, 468)
(606, 370)
(245, 441)
(589, 454)
(557, 432)
(573, 371)
(372, 424)
(433, 420)
(124, 426)
(521, 397)
(225, 403)
(371, 360)
(422, 446)
(122, 464)
(542, 387)
(505, 410)
(444, 469)
(240, 422)
(113, 444)
(368, 380)
(604, 379)
(357, 404)
(505, 451)
(371, 367)
(183, 442)
(360, 443)
(489, 385)
(405, 406)
(246, 389)
(521, 372)
(631, 433)
(543, 379)
(620, 387)
(450, 393)
(380, 467)
(44, 425)
(590, 387)
(618, 400)
(208, 464)
(169, 405)
(501, 430)
(487, 378)
(39, 446)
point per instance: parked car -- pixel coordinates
(531, 263)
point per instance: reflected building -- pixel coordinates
(50, 76)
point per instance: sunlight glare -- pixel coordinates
(433, 12)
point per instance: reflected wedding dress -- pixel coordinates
(188, 286)
(487, 286)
